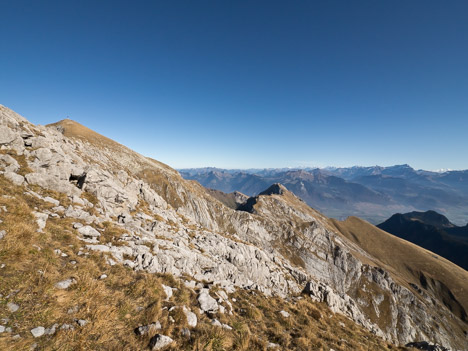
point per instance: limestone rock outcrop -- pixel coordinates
(275, 243)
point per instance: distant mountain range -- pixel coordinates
(433, 232)
(372, 193)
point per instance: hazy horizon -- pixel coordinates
(439, 170)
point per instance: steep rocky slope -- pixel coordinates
(141, 214)
(56, 294)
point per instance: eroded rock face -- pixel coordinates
(172, 226)
(7, 136)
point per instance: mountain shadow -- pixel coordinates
(433, 232)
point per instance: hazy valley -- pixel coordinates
(372, 193)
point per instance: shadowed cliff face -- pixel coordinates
(277, 244)
(431, 231)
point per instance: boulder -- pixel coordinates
(51, 330)
(207, 303)
(145, 329)
(81, 322)
(217, 323)
(16, 179)
(52, 201)
(159, 341)
(167, 291)
(191, 317)
(50, 181)
(38, 332)
(9, 163)
(7, 136)
(65, 284)
(12, 307)
(41, 220)
(89, 232)
(284, 314)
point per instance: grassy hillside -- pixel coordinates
(411, 265)
(113, 307)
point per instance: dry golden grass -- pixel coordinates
(127, 299)
(161, 182)
(405, 260)
(72, 129)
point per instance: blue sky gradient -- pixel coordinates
(239, 84)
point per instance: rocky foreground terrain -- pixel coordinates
(103, 248)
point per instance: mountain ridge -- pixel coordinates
(137, 213)
(372, 193)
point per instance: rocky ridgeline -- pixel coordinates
(277, 245)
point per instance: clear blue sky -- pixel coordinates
(241, 84)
